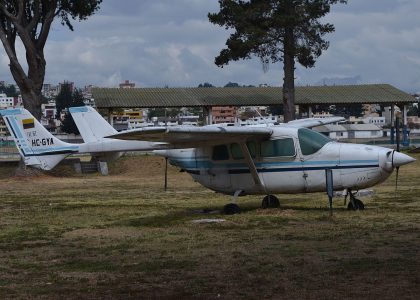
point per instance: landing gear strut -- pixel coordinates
(270, 201)
(354, 204)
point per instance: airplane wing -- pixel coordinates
(191, 135)
(313, 122)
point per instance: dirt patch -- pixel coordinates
(112, 233)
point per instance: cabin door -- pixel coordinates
(218, 168)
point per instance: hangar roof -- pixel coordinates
(246, 96)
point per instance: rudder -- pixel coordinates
(92, 126)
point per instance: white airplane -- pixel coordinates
(287, 158)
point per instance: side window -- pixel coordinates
(236, 151)
(281, 147)
(220, 152)
(311, 141)
(252, 148)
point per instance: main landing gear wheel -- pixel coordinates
(231, 209)
(358, 205)
(270, 201)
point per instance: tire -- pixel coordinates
(231, 209)
(358, 205)
(270, 201)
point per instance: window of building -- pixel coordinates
(220, 152)
(281, 147)
(311, 141)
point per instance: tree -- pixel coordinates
(205, 84)
(68, 125)
(9, 90)
(65, 99)
(413, 110)
(232, 84)
(347, 110)
(275, 30)
(31, 20)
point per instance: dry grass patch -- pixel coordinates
(122, 236)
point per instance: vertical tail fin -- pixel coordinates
(38, 147)
(92, 126)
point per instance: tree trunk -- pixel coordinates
(32, 102)
(289, 76)
(30, 85)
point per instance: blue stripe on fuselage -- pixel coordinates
(306, 165)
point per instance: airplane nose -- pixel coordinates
(399, 159)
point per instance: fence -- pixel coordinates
(8, 151)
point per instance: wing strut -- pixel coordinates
(252, 168)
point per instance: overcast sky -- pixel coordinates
(157, 43)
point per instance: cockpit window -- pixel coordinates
(220, 152)
(311, 141)
(280, 147)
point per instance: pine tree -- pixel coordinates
(275, 30)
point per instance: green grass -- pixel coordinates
(121, 236)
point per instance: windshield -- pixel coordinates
(311, 141)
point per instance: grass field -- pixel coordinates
(121, 236)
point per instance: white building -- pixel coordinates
(6, 102)
(376, 120)
(350, 131)
(387, 113)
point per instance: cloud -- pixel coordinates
(166, 42)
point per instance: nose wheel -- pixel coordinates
(231, 209)
(270, 201)
(355, 204)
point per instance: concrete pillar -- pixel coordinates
(310, 114)
(103, 168)
(110, 118)
(405, 141)
(299, 108)
(207, 116)
(392, 124)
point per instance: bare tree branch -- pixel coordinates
(46, 25)
(35, 19)
(7, 14)
(11, 52)
(20, 9)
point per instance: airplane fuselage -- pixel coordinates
(295, 168)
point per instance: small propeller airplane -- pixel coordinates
(237, 161)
